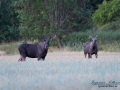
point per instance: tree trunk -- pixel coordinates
(59, 43)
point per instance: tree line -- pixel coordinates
(33, 19)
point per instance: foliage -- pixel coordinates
(107, 41)
(8, 21)
(48, 17)
(94, 3)
(70, 20)
(44, 17)
(108, 11)
(75, 41)
(113, 26)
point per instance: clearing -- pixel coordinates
(61, 71)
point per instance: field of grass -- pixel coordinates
(60, 71)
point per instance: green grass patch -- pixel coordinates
(10, 48)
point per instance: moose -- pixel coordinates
(38, 50)
(91, 48)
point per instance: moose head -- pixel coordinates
(47, 40)
(94, 40)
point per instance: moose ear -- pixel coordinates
(96, 36)
(90, 37)
(43, 37)
(51, 38)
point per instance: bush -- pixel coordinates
(107, 12)
(107, 41)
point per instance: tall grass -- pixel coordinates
(10, 48)
(60, 71)
(107, 41)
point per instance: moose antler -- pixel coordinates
(90, 36)
(96, 36)
(53, 37)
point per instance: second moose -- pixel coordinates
(91, 48)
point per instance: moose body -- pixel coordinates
(34, 50)
(91, 48)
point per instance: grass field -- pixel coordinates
(60, 71)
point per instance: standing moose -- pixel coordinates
(38, 50)
(91, 48)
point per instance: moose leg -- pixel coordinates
(22, 58)
(96, 55)
(85, 54)
(43, 58)
(88, 55)
(39, 57)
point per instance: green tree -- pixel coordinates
(107, 12)
(49, 17)
(8, 21)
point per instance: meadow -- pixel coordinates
(61, 70)
(73, 21)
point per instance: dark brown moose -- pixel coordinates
(38, 50)
(91, 48)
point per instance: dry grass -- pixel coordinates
(2, 53)
(61, 70)
(66, 55)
